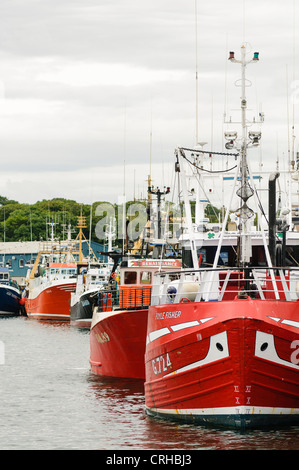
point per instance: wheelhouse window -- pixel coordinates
(145, 277)
(130, 277)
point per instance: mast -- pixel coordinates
(245, 191)
(90, 228)
(81, 224)
(159, 194)
(52, 225)
(110, 234)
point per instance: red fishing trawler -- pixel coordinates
(53, 277)
(223, 339)
(49, 295)
(119, 322)
(231, 359)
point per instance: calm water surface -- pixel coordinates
(51, 400)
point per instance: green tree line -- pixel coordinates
(26, 222)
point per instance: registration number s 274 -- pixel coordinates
(161, 364)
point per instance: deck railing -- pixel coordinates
(206, 284)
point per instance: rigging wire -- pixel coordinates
(219, 171)
(209, 152)
(204, 169)
(205, 194)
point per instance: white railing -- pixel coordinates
(204, 285)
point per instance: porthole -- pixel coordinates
(264, 346)
(219, 347)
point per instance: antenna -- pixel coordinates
(288, 119)
(225, 86)
(124, 183)
(149, 180)
(243, 21)
(151, 142)
(196, 75)
(294, 62)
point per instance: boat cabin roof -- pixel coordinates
(141, 271)
(62, 265)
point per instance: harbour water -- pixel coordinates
(51, 400)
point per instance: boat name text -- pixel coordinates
(165, 315)
(102, 337)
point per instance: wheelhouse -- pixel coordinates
(61, 270)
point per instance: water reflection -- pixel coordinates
(48, 323)
(53, 400)
(121, 402)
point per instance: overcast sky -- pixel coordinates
(90, 87)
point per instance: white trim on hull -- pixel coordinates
(242, 417)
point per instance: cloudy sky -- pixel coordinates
(95, 90)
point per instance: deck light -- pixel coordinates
(230, 136)
(255, 137)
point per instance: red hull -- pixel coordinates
(51, 303)
(117, 343)
(233, 363)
